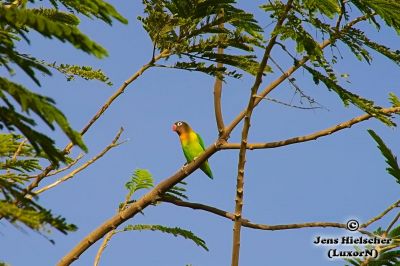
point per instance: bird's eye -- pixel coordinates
(179, 124)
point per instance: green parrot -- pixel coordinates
(192, 144)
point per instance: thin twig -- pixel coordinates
(113, 144)
(249, 224)
(54, 172)
(378, 217)
(313, 136)
(288, 104)
(296, 88)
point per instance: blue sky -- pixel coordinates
(334, 178)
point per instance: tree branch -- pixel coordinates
(150, 197)
(245, 131)
(313, 136)
(247, 223)
(218, 90)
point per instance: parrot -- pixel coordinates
(192, 144)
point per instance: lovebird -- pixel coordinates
(192, 144)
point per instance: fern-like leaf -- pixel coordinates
(393, 166)
(141, 179)
(176, 231)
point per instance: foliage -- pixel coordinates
(176, 231)
(391, 160)
(177, 192)
(17, 20)
(190, 30)
(85, 72)
(17, 160)
(141, 179)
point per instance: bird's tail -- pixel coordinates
(207, 170)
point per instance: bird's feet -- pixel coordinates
(183, 169)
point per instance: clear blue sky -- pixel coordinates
(334, 178)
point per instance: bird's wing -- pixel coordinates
(201, 141)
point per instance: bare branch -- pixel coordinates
(150, 197)
(249, 224)
(313, 136)
(113, 144)
(218, 90)
(80, 156)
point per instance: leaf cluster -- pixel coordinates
(17, 21)
(192, 30)
(17, 160)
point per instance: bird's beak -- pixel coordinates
(174, 127)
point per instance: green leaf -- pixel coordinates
(176, 231)
(386, 9)
(395, 233)
(394, 100)
(393, 166)
(93, 8)
(141, 179)
(177, 192)
(327, 7)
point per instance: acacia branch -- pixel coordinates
(218, 90)
(113, 144)
(247, 223)
(313, 136)
(99, 113)
(245, 131)
(149, 198)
